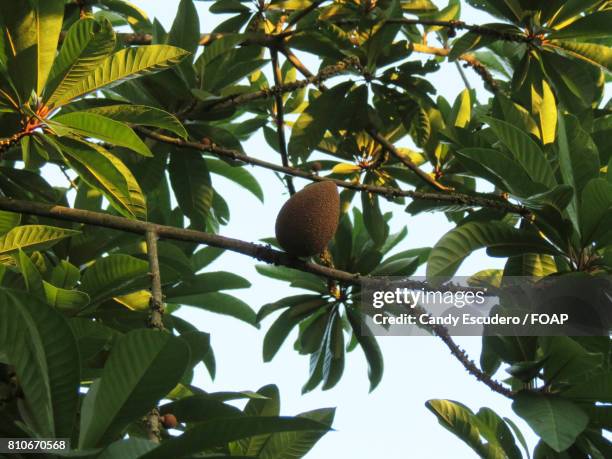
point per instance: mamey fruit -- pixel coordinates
(309, 219)
(169, 421)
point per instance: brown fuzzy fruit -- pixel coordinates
(169, 421)
(309, 219)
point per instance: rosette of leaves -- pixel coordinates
(329, 319)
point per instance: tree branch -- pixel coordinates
(492, 202)
(155, 321)
(325, 74)
(156, 303)
(280, 121)
(471, 367)
(260, 252)
(516, 36)
(257, 251)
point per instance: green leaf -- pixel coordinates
(123, 65)
(499, 169)
(32, 31)
(458, 243)
(141, 115)
(295, 445)
(597, 388)
(105, 172)
(594, 54)
(87, 43)
(206, 283)
(143, 366)
(110, 275)
(459, 420)
(566, 360)
(270, 406)
(39, 343)
(49, 18)
(370, 347)
(312, 123)
(90, 124)
(31, 275)
(8, 221)
(558, 422)
(578, 163)
(237, 174)
(462, 110)
(569, 10)
(497, 433)
(131, 448)
(282, 326)
(595, 210)
(287, 302)
(594, 25)
(333, 364)
(203, 257)
(33, 237)
(219, 303)
(190, 181)
(373, 219)
(219, 432)
(524, 150)
(185, 31)
(135, 16)
(469, 41)
(70, 301)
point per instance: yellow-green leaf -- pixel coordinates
(124, 65)
(544, 108)
(345, 168)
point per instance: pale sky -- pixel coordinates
(392, 422)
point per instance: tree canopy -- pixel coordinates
(143, 121)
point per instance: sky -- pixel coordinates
(392, 421)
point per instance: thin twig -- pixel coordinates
(71, 182)
(280, 119)
(469, 59)
(488, 201)
(466, 82)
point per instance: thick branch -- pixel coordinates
(257, 251)
(491, 202)
(260, 252)
(280, 119)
